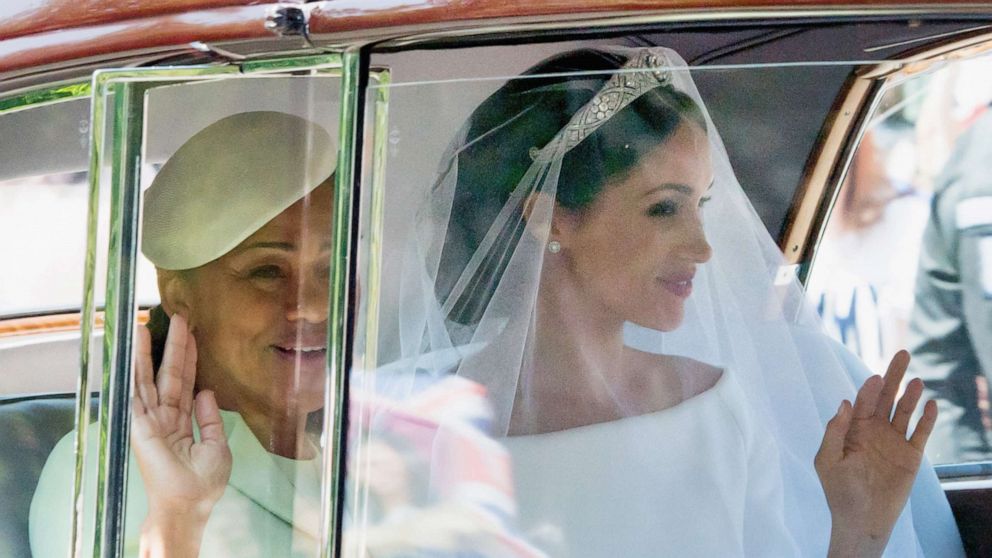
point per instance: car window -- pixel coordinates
(43, 220)
(43, 189)
(902, 262)
(266, 141)
(44, 209)
(235, 222)
(43, 226)
(443, 333)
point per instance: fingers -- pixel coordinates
(189, 377)
(891, 383)
(137, 407)
(208, 417)
(906, 406)
(832, 446)
(144, 376)
(140, 427)
(868, 395)
(171, 373)
(923, 428)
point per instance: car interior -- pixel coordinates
(797, 74)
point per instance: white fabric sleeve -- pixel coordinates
(765, 532)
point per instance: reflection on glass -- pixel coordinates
(229, 375)
(429, 477)
(590, 353)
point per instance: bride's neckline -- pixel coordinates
(710, 385)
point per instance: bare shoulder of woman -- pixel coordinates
(676, 374)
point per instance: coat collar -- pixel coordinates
(288, 489)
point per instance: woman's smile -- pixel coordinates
(304, 356)
(678, 284)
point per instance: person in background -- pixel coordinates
(951, 323)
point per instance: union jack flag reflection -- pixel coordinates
(426, 479)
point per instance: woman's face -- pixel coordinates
(634, 251)
(259, 312)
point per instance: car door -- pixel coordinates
(792, 93)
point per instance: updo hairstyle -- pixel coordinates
(499, 136)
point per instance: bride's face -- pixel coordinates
(634, 251)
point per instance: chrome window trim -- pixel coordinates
(955, 475)
(347, 184)
(48, 94)
(129, 122)
(129, 87)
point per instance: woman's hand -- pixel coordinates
(867, 465)
(183, 477)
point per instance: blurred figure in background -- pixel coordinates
(951, 325)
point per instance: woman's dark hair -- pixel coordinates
(158, 327)
(526, 113)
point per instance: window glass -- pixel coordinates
(49, 211)
(901, 263)
(43, 219)
(42, 243)
(45, 190)
(234, 238)
(574, 338)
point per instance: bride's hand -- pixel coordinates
(867, 465)
(183, 477)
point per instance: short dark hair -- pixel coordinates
(526, 113)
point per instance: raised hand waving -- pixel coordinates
(866, 463)
(183, 477)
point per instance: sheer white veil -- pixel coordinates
(472, 271)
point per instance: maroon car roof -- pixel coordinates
(25, 17)
(39, 32)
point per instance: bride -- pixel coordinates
(661, 390)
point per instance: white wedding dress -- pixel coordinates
(703, 481)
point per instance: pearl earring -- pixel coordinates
(554, 247)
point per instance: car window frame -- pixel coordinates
(129, 86)
(816, 198)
